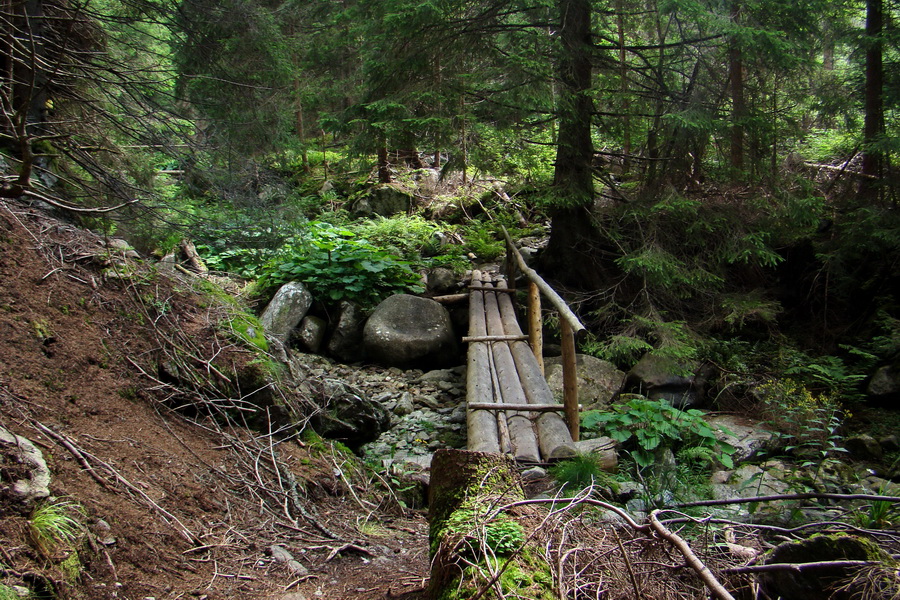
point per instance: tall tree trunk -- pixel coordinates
(571, 231)
(874, 122)
(738, 103)
(384, 170)
(301, 129)
(623, 88)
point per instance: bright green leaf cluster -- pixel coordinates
(336, 265)
(647, 425)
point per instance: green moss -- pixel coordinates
(316, 444)
(216, 292)
(501, 534)
(71, 568)
(42, 329)
(248, 328)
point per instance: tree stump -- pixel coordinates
(469, 538)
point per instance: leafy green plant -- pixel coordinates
(880, 514)
(406, 236)
(337, 265)
(483, 241)
(646, 425)
(806, 424)
(54, 523)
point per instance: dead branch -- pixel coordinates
(777, 497)
(709, 580)
(798, 567)
(80, 454)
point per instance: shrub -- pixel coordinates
(650, 424)
(337, 265)
(806, 424)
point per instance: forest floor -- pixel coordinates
(192, 507)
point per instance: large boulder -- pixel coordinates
(406, 331)
(345, 342)
(287, 308)
(885, 384)
(347, 415)
(661, 378)
(384, 200)
(598, 380)
(749, 438)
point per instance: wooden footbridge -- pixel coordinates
(510, 407)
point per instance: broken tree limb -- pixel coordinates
(555, 299)
(709, 580)
(798, 567)
(451, 298)
(168, 517)
(193, 257)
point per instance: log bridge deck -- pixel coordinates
(510, 407)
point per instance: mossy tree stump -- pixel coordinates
(476, 547)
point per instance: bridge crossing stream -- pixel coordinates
(510, 407)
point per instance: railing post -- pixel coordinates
(570, 380)
(510, 265)
(535, 329)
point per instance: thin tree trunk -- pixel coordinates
(384, 171)
(623, 88)
(738, 104)
(874, 120)
(301, 129)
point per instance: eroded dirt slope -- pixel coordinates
(193, 503)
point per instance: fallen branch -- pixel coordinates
(354, 547)
(709, 580)
(798, 567)
(82, 457)
(777, 497)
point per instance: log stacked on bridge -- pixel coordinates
(481, 425)
(503, 370)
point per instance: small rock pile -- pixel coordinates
(427, 409)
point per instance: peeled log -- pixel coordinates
(481, 425)
(553, 434)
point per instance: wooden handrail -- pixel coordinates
(569, 324)
(555, 299)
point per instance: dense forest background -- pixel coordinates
(717, 179)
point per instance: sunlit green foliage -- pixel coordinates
(644, 425)
(336, 265)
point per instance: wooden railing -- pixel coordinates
(571, 328)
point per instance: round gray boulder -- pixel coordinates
(406, 331)
(287, 308)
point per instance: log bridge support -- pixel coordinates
(511, 409)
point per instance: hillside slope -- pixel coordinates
(129, 384)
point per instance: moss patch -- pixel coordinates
(248, 328)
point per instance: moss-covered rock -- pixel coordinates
(814, 584)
